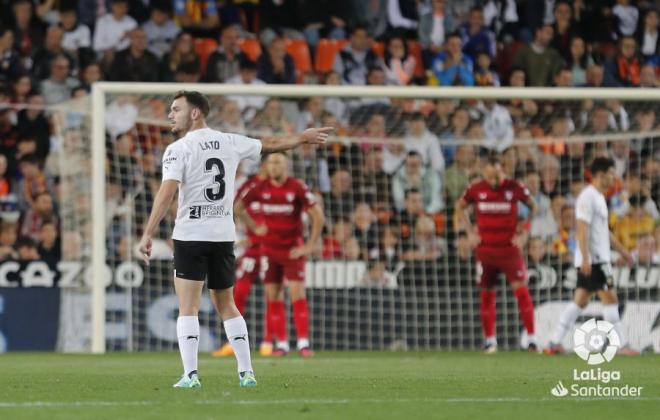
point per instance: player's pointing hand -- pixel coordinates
(316, 135)
(145, 249)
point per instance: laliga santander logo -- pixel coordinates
(589, 342)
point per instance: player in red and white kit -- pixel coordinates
(283, 201)
(248, 265)
(495, 202)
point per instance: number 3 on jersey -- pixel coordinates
(216, 190)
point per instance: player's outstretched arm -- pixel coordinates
(281, 143)
(162, 203)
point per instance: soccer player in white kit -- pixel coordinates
(593, 257)
(202, 165)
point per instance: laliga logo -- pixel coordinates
(589, 340)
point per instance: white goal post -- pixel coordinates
(101, 90)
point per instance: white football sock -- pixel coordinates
(566, 321)
(237, 334)
(611, 315)
(491, 340)
(303, 343)
(187, 331)
(283, 345)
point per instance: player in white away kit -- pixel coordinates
(593, 257)
(202, 165)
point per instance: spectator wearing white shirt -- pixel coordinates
(76, 34)
(111, 30)
(247, 75)
(432, 29)
(160, 30)
(421, 140)
(413, 175)
(627, 16)
(498, 127)
(544, 224)
(402, 14)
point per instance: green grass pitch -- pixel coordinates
(333, 385)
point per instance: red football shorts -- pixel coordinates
(279, 267)
(491, 262)
(248, 265)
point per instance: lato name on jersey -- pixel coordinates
(209, 145)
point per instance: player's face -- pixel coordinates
(492, 173)
(277, 166)
(179, 116)
(608, 178)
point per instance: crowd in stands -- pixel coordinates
(386, 200)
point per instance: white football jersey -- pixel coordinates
(591, 208)
(204, 162)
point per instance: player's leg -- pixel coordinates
(275, 310)
(246, 271)
(516, 274)
(221, 284)
(486, 275)
(190, 270)
(610, 303)
(294, 273)
(569, 315)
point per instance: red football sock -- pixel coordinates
(301, 318)
(526, 308)
(277, 319)
(488, 312)
(241, 293)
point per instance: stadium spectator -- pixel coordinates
(563, 26)
(355, 59)
(10, 63)
(414, 176)
(365, 230)
(439, 120)
(270, 120)
(497, 126)
(550, 171)
(373, 184)
(230, 117)
(484, 74)
(338, 202)
(388, 247)
(279, 18)
(595, 76)
(136, 63)
(58, 87)
(457, 176)
(310, 165)
(323, 19)
(564, 243)
(225, 62)
(636, 223)
(111, 30)
(21, 87)
(247, 75)
(539, 60)
(26, 249)
(404, 220)
(451, 67)
(197, 17)
(89, 74)
(310, 114)
(578, 60)
(648, 77)
(5, 180)
(625, 67)
(522, 109)
(160, 29)
(342, 230)
(543, 223)
(187, 72)
(351, 249)
(426, 246)
(8, 237)
(432, 29)
(52, 47)
(418, 138)
(459, 9)
(32, 183)
(476, 37)
(77, 36)
(563, 78)
(182, 51)
(646, 252)
(627, 15)
(34, 217)
(403, 15)
(399, 64)
(28, 28)
(647, 36)
(536, 252)
(49, 247)
(275, 66)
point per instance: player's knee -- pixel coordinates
(188, 310)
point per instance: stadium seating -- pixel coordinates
(250, 47)
(325, 53)
(203, 48)
(299, 51)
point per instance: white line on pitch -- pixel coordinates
(92, 403)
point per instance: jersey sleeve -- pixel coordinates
(173, 164)
(470, 193)
(248, 194)
(583, 208)
(246, 147)
(307, 198)
(521, 192)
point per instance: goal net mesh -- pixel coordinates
(392, 272)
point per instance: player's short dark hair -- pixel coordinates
(25, 241)
(195, 99)
(246, 64)
(411, 191)
(601, 164)
(493, 158)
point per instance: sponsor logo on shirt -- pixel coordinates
(482, 196)
(494, 207)
(197, 212)
(277, 208)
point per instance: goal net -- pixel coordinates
(392, 271)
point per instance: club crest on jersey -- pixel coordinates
(290, 196)
(482, 196)
(508, 195)
(265, 196)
